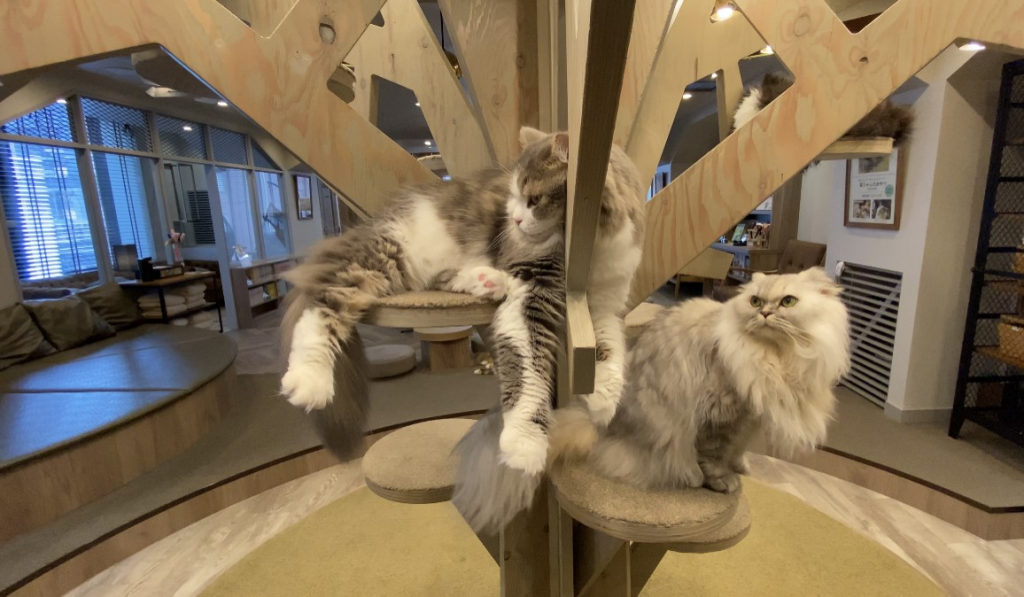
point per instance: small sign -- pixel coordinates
(874, 192)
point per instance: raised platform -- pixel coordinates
(80, 424)
(261, 443)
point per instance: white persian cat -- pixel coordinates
(705, 376)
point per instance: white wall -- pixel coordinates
(305, 233)
(934, 249)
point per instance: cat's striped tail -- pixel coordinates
(327, 373)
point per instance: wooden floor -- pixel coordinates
(184, 563)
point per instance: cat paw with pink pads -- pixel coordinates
(483, 281)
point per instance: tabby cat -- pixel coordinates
(704, 376)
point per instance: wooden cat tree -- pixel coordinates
(624, 87)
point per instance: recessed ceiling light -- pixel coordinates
(187, 128)
(972, 46)
(714, 75)
(222, 104)
(724, 12)
(767, 51)
(62, 101)
(428, 142)
(687, 95)
(417, 104)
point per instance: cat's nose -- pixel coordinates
(518, 221)
(765, 314)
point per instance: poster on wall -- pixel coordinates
(304, 197)
(873, 192)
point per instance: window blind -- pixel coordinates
(124, 202)
(51, 122)
(45, 211)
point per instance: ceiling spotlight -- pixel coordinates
(222, 104)
(724, 12)
(687, 95)
(62, 101)
(417, 104)
(972, 46)
(714, 76)
(187, 128)
(428, 143)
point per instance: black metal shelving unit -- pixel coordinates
(990, 383)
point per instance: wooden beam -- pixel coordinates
(487, 44)
(840, 77)
(650, 24)
(595, 82)
(693, 48)
(279, 82)
(853, 148)
(33, 95)
(406, 52)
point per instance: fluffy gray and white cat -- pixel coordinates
(480, 236)
(503, 455)
(704, 376)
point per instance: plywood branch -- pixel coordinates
(279, 82)
(483, 31)
(694, 47)
(595, 82)
(650, 24)
(839, 78)
(406, 52)
(857, 147)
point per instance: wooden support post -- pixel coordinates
(614, 580)
(560, 551)
(595, 82)
(525, 564)
(643, 561)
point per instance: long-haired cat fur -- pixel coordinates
(704, 376)
(503, 455)
(884, 120)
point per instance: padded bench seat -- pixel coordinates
(54, 401)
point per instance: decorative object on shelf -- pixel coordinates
(757, 235)
(304, 196)
(240, 256)
(990, 380)
(149, 272)
(174, 239)
(874, 192)
(126, 260)
(739, 235)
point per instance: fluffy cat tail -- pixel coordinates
(489, 493)
(573, 434)
(327, 371)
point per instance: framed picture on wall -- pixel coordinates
(304, 196)
(874, 192)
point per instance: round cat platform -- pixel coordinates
(430, 308)
(389, 360)
(415, 464)
(668, 516)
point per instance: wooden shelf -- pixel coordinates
(857, 147)
(267, 271)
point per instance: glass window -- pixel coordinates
(111, 125)
(123, 200)
(228, 147)
(45, 210)
(51, 122)
(273, 218)
(181, 138)
(236, 205)
(260, 158)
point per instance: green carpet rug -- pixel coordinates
(366, 546)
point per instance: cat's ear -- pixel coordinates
(560, 146)
(529, 135)
(825, 284)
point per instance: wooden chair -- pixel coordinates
(798, 256)
(710, 265)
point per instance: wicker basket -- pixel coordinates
(1011, 336)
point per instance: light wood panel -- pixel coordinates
(853, 148)
(279, 82)
(262, 15)
(596, 71)
(40, 490)
(406, 52)
(493, 63)
(839, 78)
(650, 23)
(693, 48)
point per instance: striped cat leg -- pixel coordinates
(609, 375)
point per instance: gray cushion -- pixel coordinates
(30, 292)
(20, 339)
(68, 322)
(113, 304)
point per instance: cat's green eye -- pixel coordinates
(533, 201)
(788, 301)
(755, 301)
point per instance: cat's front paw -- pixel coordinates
(740, 465)
(727, 483)
(308, 386)
(483, 281)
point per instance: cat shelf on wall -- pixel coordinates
(851, 148)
